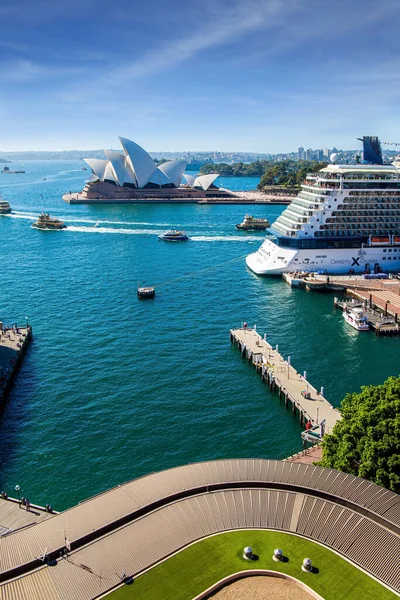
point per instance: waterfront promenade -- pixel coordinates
(281, 375)
(13, 343)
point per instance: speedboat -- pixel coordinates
(356, 318)
(5, 208)
(174, 235)
(45, 221)
(250, 223)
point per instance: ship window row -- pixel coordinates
(362, 227)
(300, 211)
(376, 193)
(282, 221)
(356, 220)
(295, 216)
(312, 192)
(375, 200)
(322, 186)
(349, 233)
(315, 190)
(371, 185)
(369, 212)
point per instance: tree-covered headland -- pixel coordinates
(286, 173)
(253, 169)
(366, 441)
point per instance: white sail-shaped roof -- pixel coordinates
(98, 166)
(117, 161)
(159, 178)
(140, 161)
(109, 173)
(129, 176)
(174, 169)
(204, 181)
(190, 179)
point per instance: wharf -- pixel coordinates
(16, 515)
(378, 320)
(280, 375)
(13, 343)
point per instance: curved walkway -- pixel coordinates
(129, 528)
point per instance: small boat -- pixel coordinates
(356, 317)
(146, 292)
(173, 236)
(250, 223)
(45, 221)
(5, 208)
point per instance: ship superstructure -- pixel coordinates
(346, 218)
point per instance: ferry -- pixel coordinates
(174, 236)
(45, 221)
(250, 223)
(5, 208)
(345, 219)
(7, 171)
(356, 318)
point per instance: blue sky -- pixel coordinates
(255, 75)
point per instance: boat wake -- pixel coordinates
(22, 216)
(122, 231)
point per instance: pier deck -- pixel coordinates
(13, 343)
(14, 515)
(281, 375)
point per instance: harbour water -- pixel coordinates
(113, 387)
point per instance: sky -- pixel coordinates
(228, 75)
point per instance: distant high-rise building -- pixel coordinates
(301, 153)
(309, 154)
(319, 154)
(326, 152)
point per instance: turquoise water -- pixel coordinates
(113, 387)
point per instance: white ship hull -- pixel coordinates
(272, 259)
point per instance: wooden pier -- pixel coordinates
(13, 343)
(280, 375)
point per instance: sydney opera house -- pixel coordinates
(132, 176)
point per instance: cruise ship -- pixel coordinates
(345, 219)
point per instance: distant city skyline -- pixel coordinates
(261, 76)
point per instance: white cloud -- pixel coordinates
(221, 25)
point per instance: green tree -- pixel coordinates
(366, 441)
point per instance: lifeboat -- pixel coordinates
(396, 240)
(380, 240)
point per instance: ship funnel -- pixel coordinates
(372, 149)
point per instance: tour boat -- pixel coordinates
(5, 208)
(45, 221)
(250, 223)
(346, 218)
(173, 236)
(356, 317)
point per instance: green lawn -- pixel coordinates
(196, 568)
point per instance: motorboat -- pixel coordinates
(356, 317)
(5, 208)
(250, 223)
(174, 235)
(45, 221)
